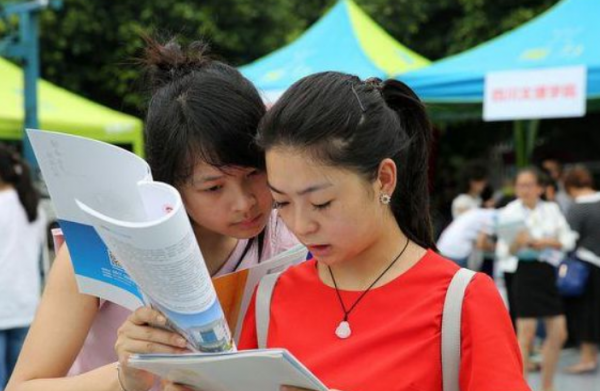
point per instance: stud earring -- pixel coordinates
(385, 199)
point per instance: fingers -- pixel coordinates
(153, 335)
(132, 346)
(138, 336)
(147, 315)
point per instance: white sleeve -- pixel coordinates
(461, 204)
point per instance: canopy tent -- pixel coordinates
(345, 39)
(63, 111)
(565, 35)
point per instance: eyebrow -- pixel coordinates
(208, 178)
(310, 189)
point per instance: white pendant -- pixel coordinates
(343, 330)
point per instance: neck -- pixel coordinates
(359, 272)
(216, 248)
(531, 204)
(5, 186)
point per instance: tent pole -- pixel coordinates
(532, 130)
(519, 141)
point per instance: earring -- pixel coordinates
(385, 199)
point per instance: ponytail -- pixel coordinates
(14, 171)
(411, 204)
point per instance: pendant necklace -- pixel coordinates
(343, 330)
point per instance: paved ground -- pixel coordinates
(566, 382)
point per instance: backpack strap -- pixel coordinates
(263, 307)
(451, 325)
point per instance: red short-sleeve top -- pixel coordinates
(396, 328)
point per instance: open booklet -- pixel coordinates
(131, 241)
(250, 370)
(508, 229)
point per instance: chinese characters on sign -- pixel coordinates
(533, 94)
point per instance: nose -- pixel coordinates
(244, 200)
(302, 224)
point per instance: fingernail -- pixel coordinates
(161, 319)
(181, 342)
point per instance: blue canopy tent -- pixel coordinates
(345, 39)
(568, 34)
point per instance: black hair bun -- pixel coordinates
(165, 62)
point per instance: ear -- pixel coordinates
(386, 177)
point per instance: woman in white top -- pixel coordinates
(474, 180)
(537, 248)
(21, 238)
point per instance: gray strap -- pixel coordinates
(451, 325)
(263, 307)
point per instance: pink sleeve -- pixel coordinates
(58, 238)
(490, 355)
(278, 239)
(282, 238)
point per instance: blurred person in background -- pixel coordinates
(554, 169)
(474, 181)
(537, 248)
(583, 312)
(22, 235)
(458, 240)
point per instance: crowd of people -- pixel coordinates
(550, 216)
(358, 199)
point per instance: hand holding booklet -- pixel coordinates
(250, 370)
(131, 241)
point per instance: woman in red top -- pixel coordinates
(347, 166)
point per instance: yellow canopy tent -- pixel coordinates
(63, 111)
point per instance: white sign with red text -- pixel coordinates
(534, 94)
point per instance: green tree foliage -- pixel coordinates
(90, 46)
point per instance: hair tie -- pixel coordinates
(375, 83)
(18, 169)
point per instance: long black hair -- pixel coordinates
(345, 122)
(200, 110)
(14, 171)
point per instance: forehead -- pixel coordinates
(203, 169)
(527, 177)
(291, 169)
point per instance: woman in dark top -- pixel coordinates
(584, 311)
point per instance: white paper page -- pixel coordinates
(508, 230)
(76, 167)
(162, 255)
(260, 370)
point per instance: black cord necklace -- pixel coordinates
(343, 330)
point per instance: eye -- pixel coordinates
(322, 206)
(213, 189)
(279, 205)
(253, 173)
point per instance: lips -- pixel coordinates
(250, 222)
(319, 249)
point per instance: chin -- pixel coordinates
(246, 234)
